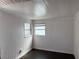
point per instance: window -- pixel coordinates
(26, 30)
(39, 29)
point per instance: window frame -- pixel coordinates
(28, 30)
(39, 25)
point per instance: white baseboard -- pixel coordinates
(54, 50)
(22, 54)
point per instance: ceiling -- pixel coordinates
(55, 8)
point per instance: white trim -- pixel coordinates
(52, 50)
(22, 54)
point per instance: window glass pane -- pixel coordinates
(26, 29)
(40, 32)
(27, 26)
(39, 29)
(39, 24)
(27, 33)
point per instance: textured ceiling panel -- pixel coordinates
(6, 2)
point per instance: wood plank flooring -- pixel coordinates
(41, 54)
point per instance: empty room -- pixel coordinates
(39, 29)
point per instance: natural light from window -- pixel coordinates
(39, 29)
(26, 30)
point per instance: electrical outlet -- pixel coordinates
(20, 51)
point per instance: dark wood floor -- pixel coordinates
(41, 54)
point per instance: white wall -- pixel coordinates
(12, 36)
(75, 13)
(59, 35)
(76, 35)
